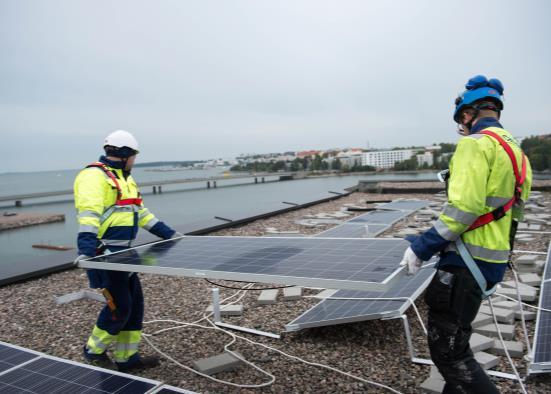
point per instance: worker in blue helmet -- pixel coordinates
(489, 179)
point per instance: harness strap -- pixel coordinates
(498, 213)
(120, 202)
(473, 267)
(111, 176)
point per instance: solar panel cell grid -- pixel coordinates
(10, 357)
(47, 375)
(330, 312)
(306, 261)
(542, 345)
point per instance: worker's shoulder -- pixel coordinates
(91, 173)
(485, 141)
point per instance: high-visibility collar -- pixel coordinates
(120, 201)
(520, 177)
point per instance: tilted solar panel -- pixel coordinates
(541, 359)
(331, 312)
(356, 264)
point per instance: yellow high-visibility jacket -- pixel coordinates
(481, 180)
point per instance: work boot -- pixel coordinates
(99, 360)
(137, 362)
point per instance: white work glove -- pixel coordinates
(81, 257)
(177, 234)
(411, 260)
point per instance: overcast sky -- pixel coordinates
(203, 79)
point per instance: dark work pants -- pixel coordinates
(453, 298)
(128, 298)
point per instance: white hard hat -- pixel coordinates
(120, 139)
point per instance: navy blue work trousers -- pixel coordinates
(453, 298)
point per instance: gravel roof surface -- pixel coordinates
(374, 350)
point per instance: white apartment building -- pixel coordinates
(385, 159)
(425, 158)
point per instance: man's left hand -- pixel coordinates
(411, 260)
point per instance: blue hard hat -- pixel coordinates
(479, 87)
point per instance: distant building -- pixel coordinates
(385, 159)
(425, 158)
(350, 158)
(433, 147)
(308, 153)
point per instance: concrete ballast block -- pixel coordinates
(507, 331)
(524, 295)
(486, 360)
(529, 314)
(267, 297)
(480, 342)
(229, 310)
(510, 305)
(292, 293)
(502, 315)
(530, 279)
(481, 320)
(215, 364)
(526, 259)
(432, 386)
(515, 348)
(522, 286)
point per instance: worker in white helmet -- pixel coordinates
(110, 211)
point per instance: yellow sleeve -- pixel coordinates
(89, 189)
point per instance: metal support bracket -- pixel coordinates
(218, 319)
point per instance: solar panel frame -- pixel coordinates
(333, 312)
(326, 251)
(388, 217)
(353, 230)
(405, 205)
(541, 351)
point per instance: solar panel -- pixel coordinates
(331, 312)
(381, 217)
(11, 356)
(41, 373)
(405, 205)
(354, 230)
(542, 342)
(355, 264)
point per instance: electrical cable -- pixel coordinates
(505, 347)
(522, 319)
(247, 289)
(234, 337)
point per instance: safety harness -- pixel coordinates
(496, 214)
(120, 202)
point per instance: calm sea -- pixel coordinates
(179, 204)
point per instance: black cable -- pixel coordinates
(246, 289)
